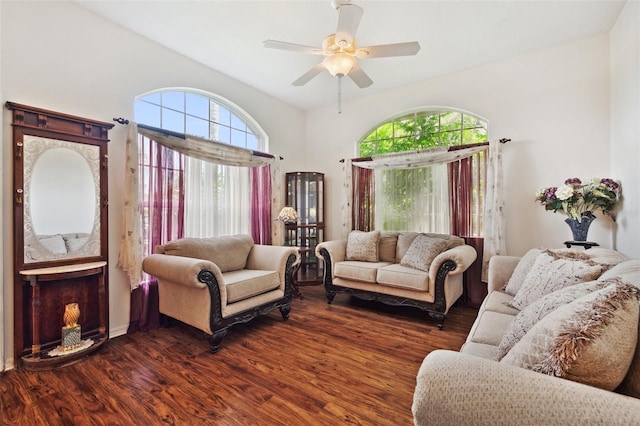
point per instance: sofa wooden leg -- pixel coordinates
(439, 319)
(284, 310)
(215, 340)
(330, 296)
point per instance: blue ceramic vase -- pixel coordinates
(580, 229)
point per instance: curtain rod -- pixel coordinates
(450, 148)
(121, 120)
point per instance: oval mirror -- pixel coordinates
(61, 201)
(62, 194)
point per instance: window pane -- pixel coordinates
(367, 149)
(475, 136)
(238, 138)
(198, 105)
(403, 144)
(197, 127)
(252, 141)
(385, 131)
(427, 124)
(471, 121)
(224, 134)
(172, 120)
(450, 121)
(404, 128)
(385, 146)
(147, 113)
(153, 98)
(223, 115)
(237, 123)
(450, 138)
(371, 136)
(428, 141)
(173, 100)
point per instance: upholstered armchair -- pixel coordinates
(214, 283)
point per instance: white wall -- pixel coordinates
(553, 104)
(625, 123)
(59, 56)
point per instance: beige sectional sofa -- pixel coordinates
(555, 342)
(398, 268)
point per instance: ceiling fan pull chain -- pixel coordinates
(339, 94)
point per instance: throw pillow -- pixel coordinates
(53, 243)
(422, 251)
(363, 246)
(529, 316)
(520, 272)
(591, 340)
(551, 272)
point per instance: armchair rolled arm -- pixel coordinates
(500, 270)
(457, 388)
(463, 256)
(337, 250)
(180, 270)
(271, 258)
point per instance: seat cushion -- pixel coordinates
(490, 327)
(358, 271)
(247, 283)
(498, 301)
(395, 275)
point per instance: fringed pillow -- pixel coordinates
(591, 340)
(363, 246)
(551, 272)
(529, 316)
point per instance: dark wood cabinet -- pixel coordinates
(61, 246)
(305, 193)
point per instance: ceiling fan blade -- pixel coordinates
(359, 77)
(293, 47)
(307, 76)
(384, 50)
(348, 20)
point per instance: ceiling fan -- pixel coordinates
(340, 51)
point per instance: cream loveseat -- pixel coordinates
(567, 355)
(214, 283)
(398, 268)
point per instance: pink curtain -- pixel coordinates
(363, 199)
(463, 184)
(261, 204)
(162, 205)
(460, 197)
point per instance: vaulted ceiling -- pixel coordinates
(454, 35)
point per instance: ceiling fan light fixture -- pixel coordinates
(339, 64)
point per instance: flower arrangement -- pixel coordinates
(577, 199)
(288, 215)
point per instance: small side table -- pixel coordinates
(586, 244)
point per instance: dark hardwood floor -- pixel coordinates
(351, 362)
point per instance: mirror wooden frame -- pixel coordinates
(41, 288)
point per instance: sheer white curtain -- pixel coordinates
(216, 199)
(413, 199)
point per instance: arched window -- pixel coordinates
(441, 198)
(200, 114)
(209, 199)
(424, 129)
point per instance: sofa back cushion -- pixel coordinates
(405, 239)
(387, 246)
(228, 252)
(363, 246)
